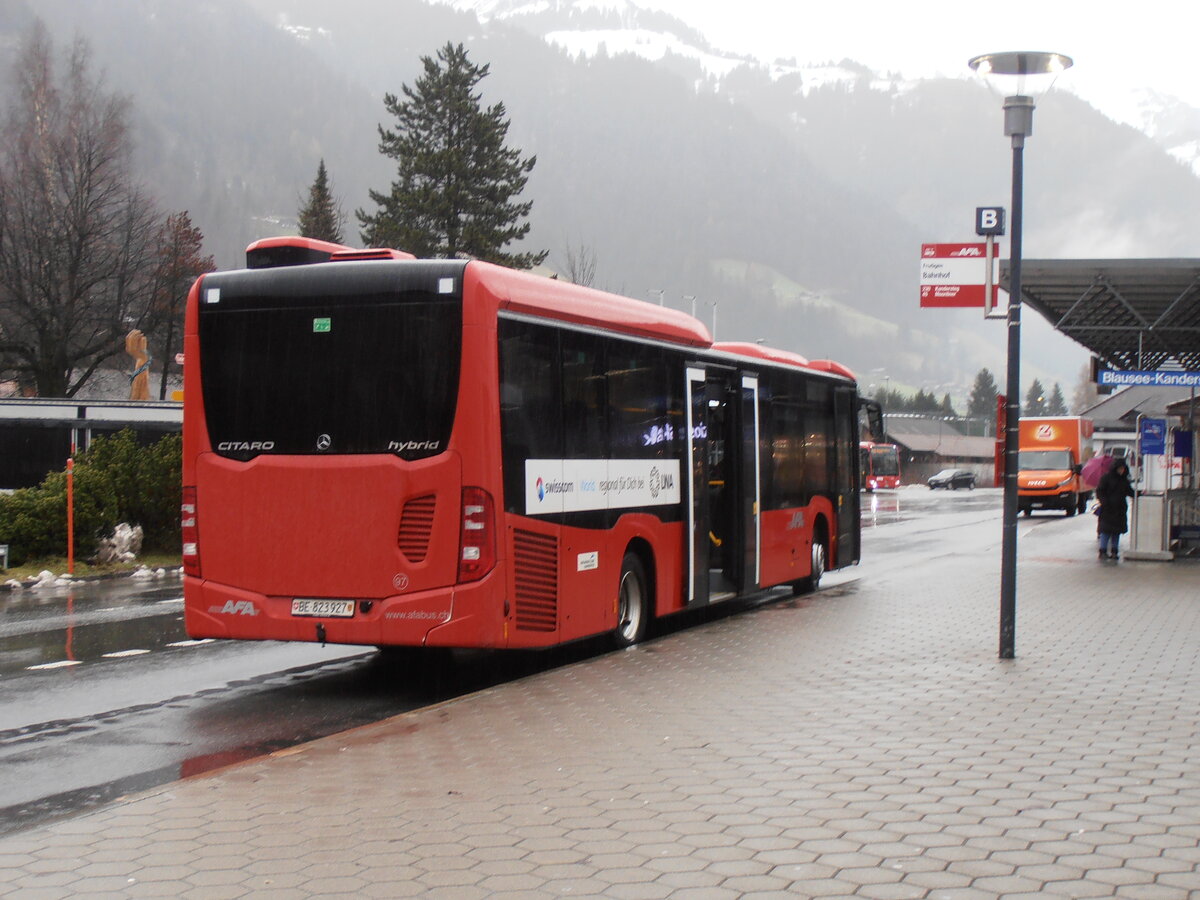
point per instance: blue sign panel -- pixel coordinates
(1182, 444)
(1155, 378)
(1153, 437)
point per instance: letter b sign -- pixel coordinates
(989, 220)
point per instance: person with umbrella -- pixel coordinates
(1094, 469)
(1111, 492)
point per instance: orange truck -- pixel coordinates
(1052, 451)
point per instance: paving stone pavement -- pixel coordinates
(864, 741)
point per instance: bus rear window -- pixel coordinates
(352, 362)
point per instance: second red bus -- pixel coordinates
(879, 466)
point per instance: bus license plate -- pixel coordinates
(331, 608)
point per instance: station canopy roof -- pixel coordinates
(1139, 314)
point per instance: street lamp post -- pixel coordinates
(1018, 124)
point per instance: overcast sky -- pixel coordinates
(1135, 43)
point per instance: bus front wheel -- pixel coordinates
(819, 563)
(633, 602)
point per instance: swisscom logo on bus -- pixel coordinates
(578, 485)
(553, 487)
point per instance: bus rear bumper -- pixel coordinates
(213, 610)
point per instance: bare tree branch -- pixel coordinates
(581, 265)
(76, 235)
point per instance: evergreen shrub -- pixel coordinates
(116, 480)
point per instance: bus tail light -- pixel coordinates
(477, 556)
(189, 532)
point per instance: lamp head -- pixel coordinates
(1021, 72)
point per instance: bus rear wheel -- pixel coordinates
(633, 602)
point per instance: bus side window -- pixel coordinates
(584, 397)
(531, 424)
(644, 412)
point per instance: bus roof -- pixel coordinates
(524, 292)
(537, 295)
(828, 365)
(786, 357)
(289, 251)
(744, 348)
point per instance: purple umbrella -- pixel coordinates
(1094, 469)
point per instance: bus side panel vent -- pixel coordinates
(416, 526)
(536, 569)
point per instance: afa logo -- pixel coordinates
(236, 608)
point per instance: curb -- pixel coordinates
(30, 583)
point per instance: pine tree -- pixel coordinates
(321, 217)
(891, 401)
(1035, 400)
(455, 194)
(1057, 404)
(982, 402)
(925, 402)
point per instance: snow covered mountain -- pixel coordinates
(1168, 120)
(592, 27)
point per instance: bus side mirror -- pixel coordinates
(870, 415)
(1077, 469)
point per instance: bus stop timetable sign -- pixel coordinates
(1152, 434)
(954, 275)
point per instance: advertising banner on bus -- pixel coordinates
(579, 485)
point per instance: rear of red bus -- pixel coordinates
(326, 497)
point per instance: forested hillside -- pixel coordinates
(798, 212)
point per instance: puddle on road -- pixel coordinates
(73, 644)
(880, 508)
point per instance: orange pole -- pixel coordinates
(71, 516)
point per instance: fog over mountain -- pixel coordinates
(795, 199)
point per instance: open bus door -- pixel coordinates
(847, 476)
(724, 486)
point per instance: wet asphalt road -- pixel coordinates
(101, 692)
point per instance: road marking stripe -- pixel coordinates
(62, 663)
(192, 643)
(117, 654)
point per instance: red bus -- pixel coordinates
(879, 466)
(386, 451)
